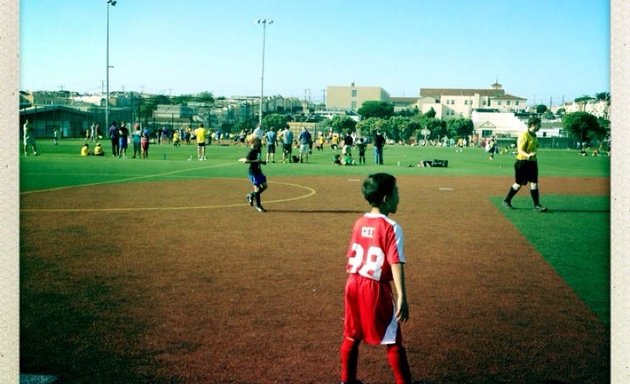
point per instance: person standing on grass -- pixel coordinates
(526, 165)
(271, 139)
(255, 173)
(28, 138)
(287, 144)
(305, 140)
(376, 258)
(144, 144)
(113, 135)
(200, 136)
(136, 137)
(361, 145)
(123, 140)
(379, 143)
(55, 135)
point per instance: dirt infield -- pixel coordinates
(183, 282)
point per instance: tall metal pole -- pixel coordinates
(112, 3)
(264, 23)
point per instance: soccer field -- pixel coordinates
(158, 270)
(168, 162)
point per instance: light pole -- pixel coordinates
(264, 23)
(112, 3)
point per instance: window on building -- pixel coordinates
(354, 93)
(353, 105)
(507, 102)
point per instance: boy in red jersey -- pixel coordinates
(375, 258)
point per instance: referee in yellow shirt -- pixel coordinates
(526, 166)
(200, 135)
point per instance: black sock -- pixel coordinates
(257, 197)
(510, 195)
(535, 196)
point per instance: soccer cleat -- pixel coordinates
(250, 199)
(539, 208)
(261, 209)
(507, 204)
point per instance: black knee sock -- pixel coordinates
(510, 194)
(257, 197)
(535, 196)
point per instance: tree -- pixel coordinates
(431, 113)
(376, 109)
(548, 115)
(340, 123)
(408, 112)
(603, 96)
(368, 126)
(541, 108)
(205, 97)
(395, 127)
(247, 126)
(460, 128)
(437, 128)
(583, 125)
(274, 121)
(410, 129)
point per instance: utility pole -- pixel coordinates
(264, 23)
(113, 4)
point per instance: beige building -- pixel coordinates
(351, 98)
(455, 103)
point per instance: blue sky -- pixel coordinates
(538, 49)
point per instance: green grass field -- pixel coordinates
(166, 162)
(580, 255)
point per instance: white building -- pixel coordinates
(457, 103)
(500, 124)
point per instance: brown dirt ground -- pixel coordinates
(125, 283)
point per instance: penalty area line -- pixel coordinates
(310, 192)
(127, 179)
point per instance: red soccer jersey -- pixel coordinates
(376, 244)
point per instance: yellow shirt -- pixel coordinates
(200, 134)
(84, 151)
(98, 150)
(527, 142)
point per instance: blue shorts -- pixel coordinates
(257, 178)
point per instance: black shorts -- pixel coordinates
(525, 171)
(271, 148)
(287, 148)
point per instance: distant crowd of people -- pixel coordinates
(296, 147)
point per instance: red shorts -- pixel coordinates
(370, 311)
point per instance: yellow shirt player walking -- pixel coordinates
(526, 165)
(200, 136)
